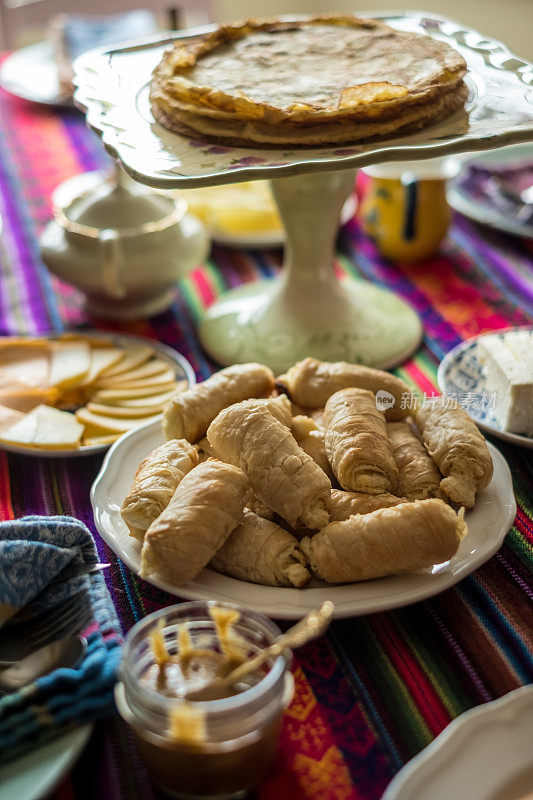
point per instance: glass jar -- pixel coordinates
(241, 731)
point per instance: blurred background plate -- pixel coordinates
(19, 70)
(37, 774)
(484, 754)
(464, 195)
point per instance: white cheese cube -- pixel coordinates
(508, 367)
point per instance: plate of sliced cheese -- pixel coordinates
(244, 214)
(74, 394)
(278, 494)
(491, 376)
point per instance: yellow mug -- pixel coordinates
(404, 209)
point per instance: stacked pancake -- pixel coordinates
(315, 81)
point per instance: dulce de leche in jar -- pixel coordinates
(219, 746)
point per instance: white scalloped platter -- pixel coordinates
(113, 87)
(484, 754)
(488, 523)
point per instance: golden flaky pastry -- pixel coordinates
(389, 541)
(317, 80)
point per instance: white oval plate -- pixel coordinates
(19, 70)
(488, 523)
(461, 371)
(478, 756)
(36, 774)
(178, 362)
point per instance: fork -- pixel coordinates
(20, 639)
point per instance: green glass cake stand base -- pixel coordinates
(307, 311)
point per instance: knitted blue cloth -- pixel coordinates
(33, 551)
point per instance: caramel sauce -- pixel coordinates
(187, 764)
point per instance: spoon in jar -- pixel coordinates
(308, 628)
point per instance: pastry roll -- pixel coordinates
(458, 449)
(259, 508)
(419, 477)
(311, 382)
(281, 475)
(205, 508)
(345, 504)
(280, 407)
(261, 552)
(311, 439)
(188, 414)
(357, 445)
(389, 541)
(155, 482)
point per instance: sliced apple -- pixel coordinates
(119, 395)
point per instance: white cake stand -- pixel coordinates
(306, 311)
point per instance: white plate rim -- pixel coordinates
(291, 603)
(460, 730)
(451, 356)
(168, 353)
(60, 754)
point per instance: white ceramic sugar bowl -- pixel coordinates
(122, 245)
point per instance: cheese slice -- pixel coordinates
(147, 370)
(133, 357)
(99, 424)
(27, 398)
(47, 428)
(8, 417)
(151, 400)
(119, 395)
(508, 367)
(144, 383)
(102, 358)
(121, 411)
(27, 362)
(70, 362)
(92, 441)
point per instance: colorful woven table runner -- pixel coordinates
(377, 689)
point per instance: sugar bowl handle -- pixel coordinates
(112, 258)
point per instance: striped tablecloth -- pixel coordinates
(377, 689)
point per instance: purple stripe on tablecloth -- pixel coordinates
(88, 149)
(514, 574)
(484, 694)
(505, 273)
(41, 301)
